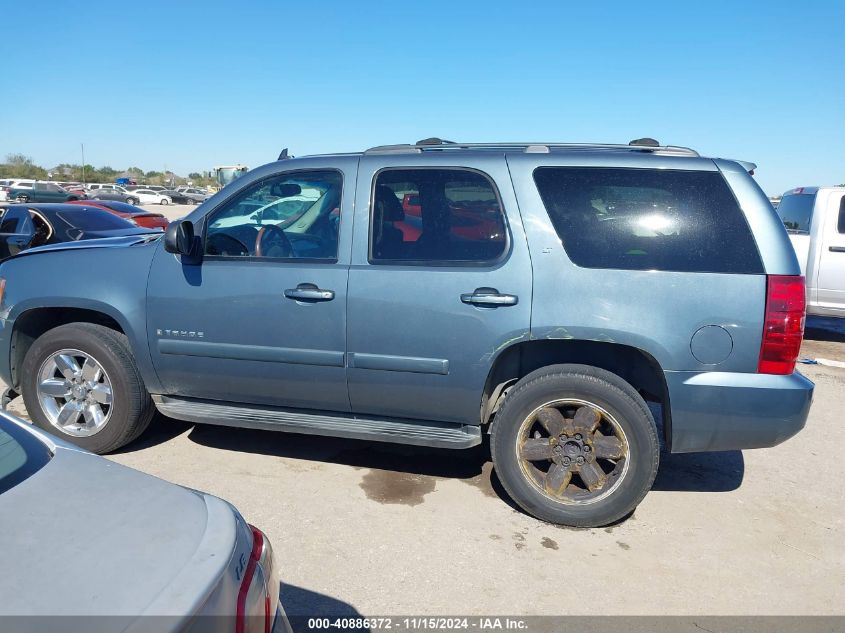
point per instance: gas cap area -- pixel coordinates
(711, 344)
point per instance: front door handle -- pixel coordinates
(309, 293)
(837, 249)
(489, 297)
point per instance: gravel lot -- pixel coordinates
(378, 529)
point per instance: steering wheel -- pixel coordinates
(271, 241)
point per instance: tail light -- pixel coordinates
(259, 592)
(783, 327)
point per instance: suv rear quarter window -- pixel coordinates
(648, 219)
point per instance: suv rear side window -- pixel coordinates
(426, 216)
(796, 212)
(840, 225)
(648, 219)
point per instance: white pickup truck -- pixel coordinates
(814, 217)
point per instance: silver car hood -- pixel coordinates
(86, 536)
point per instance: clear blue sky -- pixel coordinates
(189, 85)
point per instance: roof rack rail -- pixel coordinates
(435, 144)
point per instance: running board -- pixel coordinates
(250, 416)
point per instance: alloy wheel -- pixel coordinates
(572, 451)
(75, 393)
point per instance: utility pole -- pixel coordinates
(82, 145)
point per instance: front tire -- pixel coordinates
(164, 201)
(575, 445)
(132, 201)
(22, 198)
(81, 384)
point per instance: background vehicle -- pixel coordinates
(95, 186)
(114, 194)
(172, 551)
(554, 295)
(814, 217)
(8, 184)
(148, 196)
(25, 226)
(224, 174)
(41, 192)
(153, 187)
(186, 196)
(133, 214)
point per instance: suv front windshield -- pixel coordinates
(21, 455)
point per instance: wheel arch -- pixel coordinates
(632, 364)
(31, 323)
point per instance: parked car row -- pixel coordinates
(21, 190)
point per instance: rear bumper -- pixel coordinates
(721, 411)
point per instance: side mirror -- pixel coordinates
(179, 237)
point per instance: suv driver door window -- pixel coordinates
(289, 216)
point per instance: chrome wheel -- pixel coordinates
(572, 451)
(75, 393)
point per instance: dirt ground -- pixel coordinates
(379, 529)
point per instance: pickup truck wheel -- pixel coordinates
(80, 383)
(22, 198)
(575, 445)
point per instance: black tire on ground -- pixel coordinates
(22, 198)
(597, 386)
(131, 201)
(132, 407)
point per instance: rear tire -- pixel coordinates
(132, 201)
(619, 456)
(164, 201)
(130, 409)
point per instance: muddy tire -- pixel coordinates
(575, 445)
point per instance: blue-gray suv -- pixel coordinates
(576, 302)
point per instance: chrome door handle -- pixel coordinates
(489, 297)
(309, 292)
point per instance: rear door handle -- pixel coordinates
(837, 249)
(489, 297)
(309, 293)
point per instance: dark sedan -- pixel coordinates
(114, 195)
(186, 196)
(24, 226)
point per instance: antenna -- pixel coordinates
(284, 155)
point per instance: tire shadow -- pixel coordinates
(700, 472)
(302, 605)
(162, 429)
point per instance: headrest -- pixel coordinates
(388, 205)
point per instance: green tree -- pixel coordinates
(22, 166)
